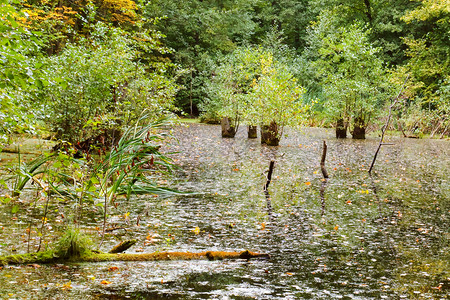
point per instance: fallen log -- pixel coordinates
(51, 257)
(122, 246)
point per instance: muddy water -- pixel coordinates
(385, 236)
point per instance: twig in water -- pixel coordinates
(269, 176)
(386, 125)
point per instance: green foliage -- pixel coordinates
(346, 64)
(250, 85)
(200, 31)
(428, 67)
(123, 171)
(19, 72)
(276, 95)
(228, 90)
(24, 172)
(101, 77)
(73, 244)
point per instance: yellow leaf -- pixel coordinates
(308, 183)
(105, 282)
(196, 230)
(336, 227)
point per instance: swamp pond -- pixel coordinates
(352, 237)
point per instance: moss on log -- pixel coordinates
(50, 257)
(28, 258)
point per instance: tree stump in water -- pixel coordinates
(252, 131)
(228, 131)
(359, 129)
(341, 129)
(270, 135)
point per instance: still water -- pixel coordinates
(350, 237)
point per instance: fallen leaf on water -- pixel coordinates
(290, 274)
(308, 183)
(105, 282)
(336, 227)
(196, 230)
(67, 285)
(263, 226)
(110, 269)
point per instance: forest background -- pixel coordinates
(74, 67)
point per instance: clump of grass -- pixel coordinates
(73, 244)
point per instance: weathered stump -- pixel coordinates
(341, 129)
(359, 129)
(228, 130)
(270, 135)
(252, 131)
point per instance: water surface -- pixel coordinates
(351, 237)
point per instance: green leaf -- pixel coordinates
(57, 164)
(12, 21)
(5, 200)
(15, 209)
(10, 75)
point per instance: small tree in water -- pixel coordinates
(229, 88)
(277, 100)
(253, 87)
(351, 74)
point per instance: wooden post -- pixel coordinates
(269, 176)
(325, 176)
(322, 161)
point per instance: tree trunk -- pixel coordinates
(341, 129)
(252, 131)
(359, 129)
(270, 135)
(228, 131)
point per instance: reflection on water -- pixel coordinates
(360, 238)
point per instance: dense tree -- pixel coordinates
(200, 31)
(252, 86)
(351, 74)
(99, 81)
(428, 67)
(63, 21)
(19, 71)
(229, 88)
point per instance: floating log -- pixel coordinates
(49, 257)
